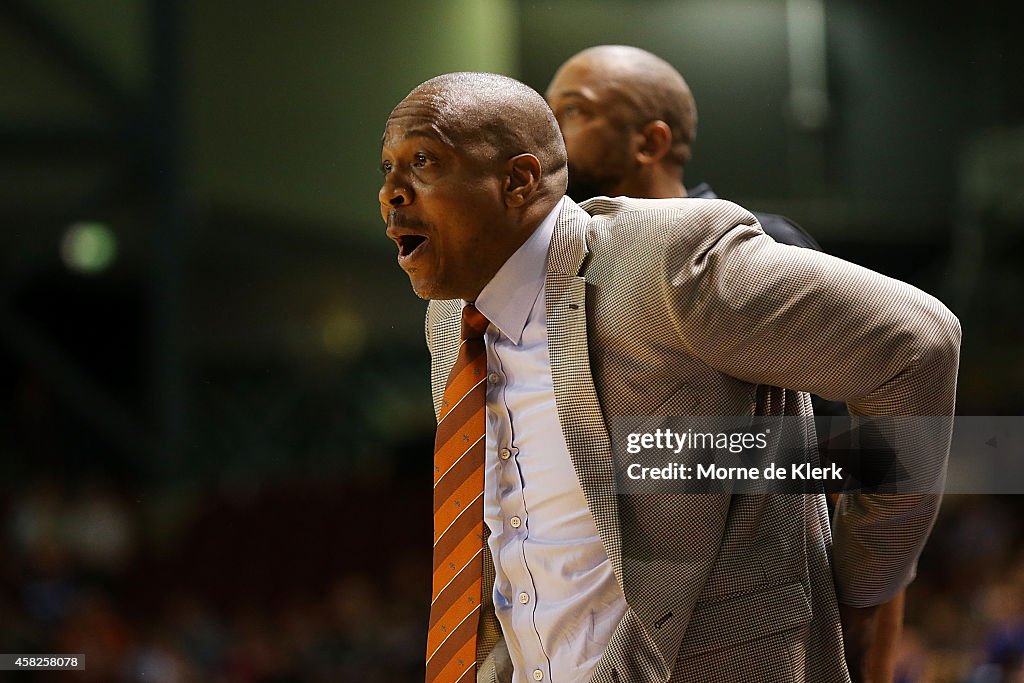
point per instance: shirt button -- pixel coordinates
(524, 598)
(493, 378)
(505, 453)
(538, 675)
(515, 522)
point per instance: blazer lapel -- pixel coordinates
(579, 412)
(444, 331)
(633, 651)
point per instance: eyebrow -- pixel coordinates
(572, 93)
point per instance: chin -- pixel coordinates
(429, 290)
(422, 291)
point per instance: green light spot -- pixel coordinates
(88, 247)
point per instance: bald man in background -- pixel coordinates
(629, 121)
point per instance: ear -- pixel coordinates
(522, 179)
(655, 143)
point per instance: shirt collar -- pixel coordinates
(509, 297)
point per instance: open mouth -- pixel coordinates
(407, 244)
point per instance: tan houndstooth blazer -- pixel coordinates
(684, 307)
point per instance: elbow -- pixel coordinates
(938, 358)
(945, 342)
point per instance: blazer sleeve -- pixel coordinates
(773, 314)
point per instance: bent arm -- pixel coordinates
(773, 314)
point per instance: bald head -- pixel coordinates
(472, 163)
(651, 88)
(494, 116)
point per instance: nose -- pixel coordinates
(393, 193)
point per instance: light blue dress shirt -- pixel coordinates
(555, 593)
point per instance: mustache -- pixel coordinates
(398, 220)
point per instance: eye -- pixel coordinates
(385, 167)
(420, 160)
(569, 111)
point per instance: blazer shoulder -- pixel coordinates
(781, 229)
(611, 206)
(691, 222)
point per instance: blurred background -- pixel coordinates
(215, 428)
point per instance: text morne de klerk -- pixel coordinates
(797, 471)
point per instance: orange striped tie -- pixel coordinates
(459, 511)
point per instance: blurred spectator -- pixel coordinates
(95, 628)
(241, 603)
(99, 530)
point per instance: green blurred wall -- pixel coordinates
(288, 101)
(284, 104)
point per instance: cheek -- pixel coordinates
(577, 141)
(468, 242)
(590, 145)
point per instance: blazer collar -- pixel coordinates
(569, 242)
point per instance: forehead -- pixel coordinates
(587, 78)
(420, 116)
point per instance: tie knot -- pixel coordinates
(474, 324)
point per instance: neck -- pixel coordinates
(667, 188)
(655, 185)
(536, 212)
